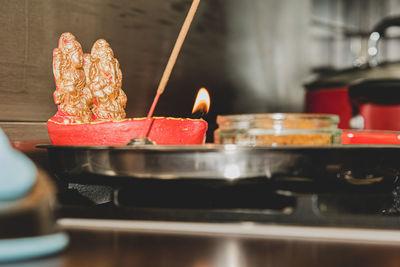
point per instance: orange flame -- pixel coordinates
(202, 102)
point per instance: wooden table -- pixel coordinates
(122, 247)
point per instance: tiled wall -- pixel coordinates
(339, 31)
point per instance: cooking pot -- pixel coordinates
(366, 93)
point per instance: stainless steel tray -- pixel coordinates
(350, 164)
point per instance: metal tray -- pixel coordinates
(326, 166)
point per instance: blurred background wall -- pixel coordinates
(252, 56)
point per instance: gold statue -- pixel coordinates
(104, 78)
(73, 97)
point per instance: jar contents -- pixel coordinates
(277, 129)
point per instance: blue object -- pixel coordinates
(31, 247)
(18, 175)
(17, 172)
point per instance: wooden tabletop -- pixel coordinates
(104, 248)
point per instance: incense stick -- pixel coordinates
(172, 60)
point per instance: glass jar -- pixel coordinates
(278, 129)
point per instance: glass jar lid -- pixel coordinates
(278, 121)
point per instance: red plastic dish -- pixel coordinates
(371, 137)
(164, 131)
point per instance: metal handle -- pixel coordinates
(377, 33)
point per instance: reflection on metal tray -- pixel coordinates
(326, 167)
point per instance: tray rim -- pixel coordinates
(216, 147)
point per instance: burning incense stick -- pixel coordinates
(172, 60)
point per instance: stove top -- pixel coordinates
(252, 201)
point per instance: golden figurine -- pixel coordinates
(91, 103)
(73, 97)
(104, 78)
